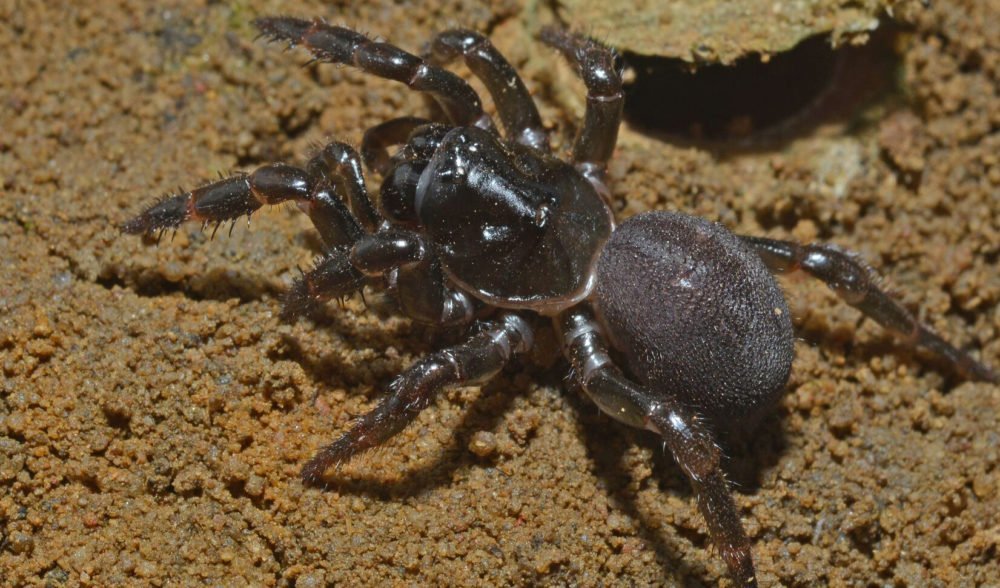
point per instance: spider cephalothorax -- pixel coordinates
(492, 232)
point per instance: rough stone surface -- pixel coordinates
(721, 31)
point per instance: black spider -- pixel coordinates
(490, 231)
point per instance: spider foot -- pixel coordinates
(283, 28)
(333, 277)
(224, 200)
(168, 213)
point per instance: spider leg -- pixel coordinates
(513, 101)
(689, 440)
(476, 360)
(421, 289)
(595, 64)
(424, 296)
(856, 283)
(243, 193)
(340, 45)
(377, 140)
(402, 171)
(420, 284)
(332, 276)
(340, 165)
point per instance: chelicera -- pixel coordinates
(669, 322)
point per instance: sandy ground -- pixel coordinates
(154, 411)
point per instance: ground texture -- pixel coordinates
(154, 411)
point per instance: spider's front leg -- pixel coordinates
(315, 189)
(340, 45)
(596, 139)
(420, 284)
(377, 140)
(853, 281)
(479, 358)
(691, 443)
(517, 110)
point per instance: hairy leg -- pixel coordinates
(242, 194)
(377, 140)
(857, 285)
(513, 102)
(595, 64)
(340, 45)
(420, 285)
(476, 360)
(691, 443)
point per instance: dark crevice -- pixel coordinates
(19, 437)
(787, 217)
(909, 179)
(693, 536)
(246, 162)
(753, 101)
(237, 489)
(863, 540)
(118, 420)
(295, 125)
(219, 285)
(89, 481)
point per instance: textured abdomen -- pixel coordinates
(696, 315)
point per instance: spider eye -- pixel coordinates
(507, 232)
(542, 214)
(472, 200)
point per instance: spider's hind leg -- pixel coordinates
(854, 282)
(690, 442)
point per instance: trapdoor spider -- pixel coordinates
(493, 232)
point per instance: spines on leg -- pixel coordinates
(327, 43)
(283, 28)
(167, 213)
(476, 360)
(858, 285)
(319, 190)
(333, 276)
(226, 199)
(341, 45)
(408, 394)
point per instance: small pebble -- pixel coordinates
(483, 444)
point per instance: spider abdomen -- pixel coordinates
(696, 314)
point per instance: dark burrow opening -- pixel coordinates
(784, 96)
